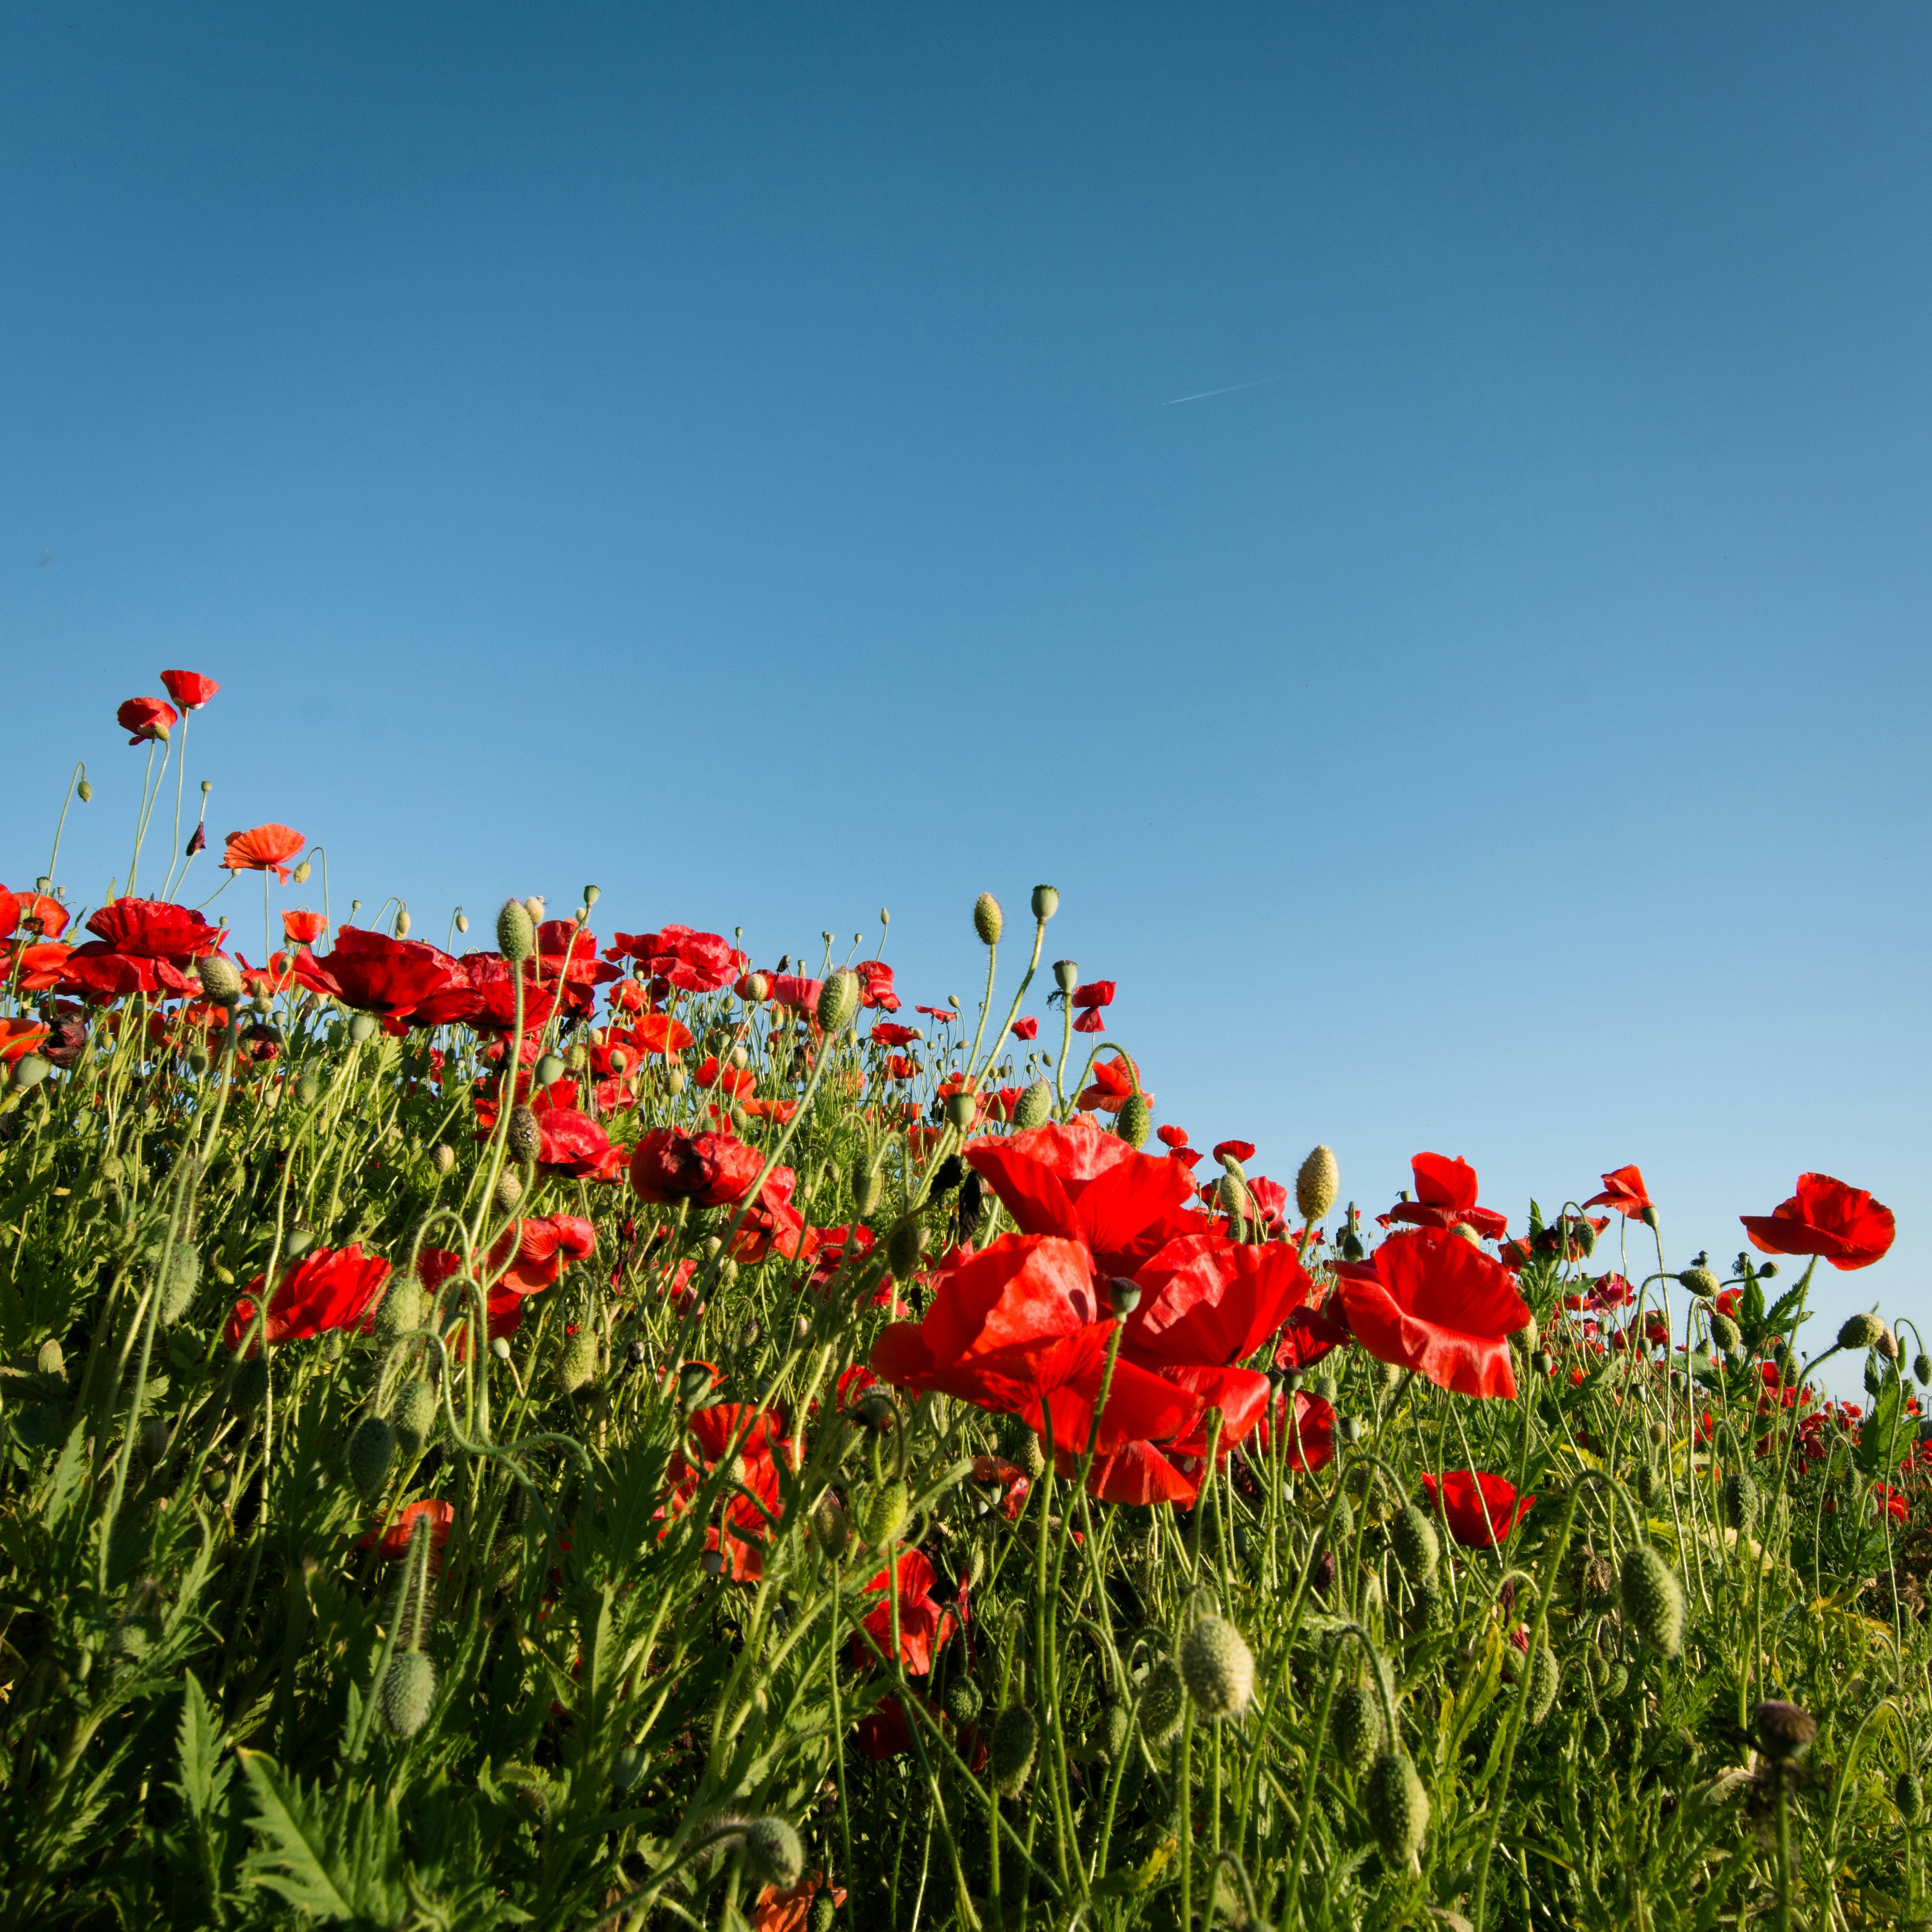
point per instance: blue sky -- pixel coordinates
(729, 455)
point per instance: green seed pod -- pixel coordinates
(251, 1384)
(508, 1191)
(1355, 1725)
(1016, 1739)
(1546, 1679)
(221, 978)
(524, 1138)
(837, 1003)
(1861, 1332)
(868, 1189)
(578, 1363)
(886, 1509)
(1318, 1184)
(1163, 1701)
(1701, 1282)
(1596, 1736)
(372, 1448)
(415, 1418)
(904, 1247)
(988, 919)
(1134, 1121)
(963, 1702)
(1397, 1808)
(1908, 1795)
(1034, 1105)
(1046, 902)
(30, 1069)
(443, 1159)
(548, 1070)
(362, 1030)
(1653, 1600)
(772, 1855)
(1724, 1332)
(184, 1279)
(1217, 1667)
(961, 1110)
(1742, 1501)
(1067, 974)
(400, 1310)
(516, 936)
(1418, 1548)
(407, 1690)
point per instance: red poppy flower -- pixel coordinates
(1308, 1426)
(301, 927)
(392, 1544)
(657, 1033)
(1445, 1193)
(875, 985)
(1026, 1029)
(327, 1289)
(574, 1146)
(1309, 1334)
(544, 1243)
(1089, 999)
(708, 1170)
(752, 1439)
(36, 913)
(712, 1072)
(189, 688)
(889, 1033)
(146, 718)
(885, 1731)
(1481, 1510)
(144, 945)
(37, 968)
(697, 962)
(936, 1013)
(798, 994)
(1624, 1190)
(1113, 1082)
(1241, 1150)
(9, 911)
(391, 978)
(1825, 1217)
(925, 1623)
(267, 848)
(20, 1036)
(1432, 1302)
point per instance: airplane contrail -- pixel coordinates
(1232, 389)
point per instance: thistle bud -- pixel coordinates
(773, 1855)
(839, 1002)
(1908, 1795)
(1134, 1121)
(1317, 1185)
(1701, 1282)
(509, 1190)
(1653, 1600)
(1742, 1501)
(904, 1246)
(1034, 1106)
(516, 931)
(578, 1362)
(221, 978)
(961, 1110)
(886, 1509)
(524, 1137)
(406, 1692)
(1163, 1701)
(415, 1418)
(1724, 1331)
(1418, 1548)
(1355, 1725)
(1016, 1739)
(988, 919)
(1783, 1731)
(1546, 1678)
(1046, 902)
(1067, 974)
(372, 1447)
(1397, 1808)
(1861, 1332)
(1217, 1667)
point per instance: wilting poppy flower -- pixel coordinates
(708, 1170)
(392, 1544)
(1481, 1510)
(1445, 1193)
(374, 973)
(1825, 1217)
(925, 1623)
(1113, 1082)
(875, 985)
(1026, 1029)
(267, 848)
(327, 1289)
(143, 945)
(1624, 1190)
(889, 1033)
(20, 1036)
(303, 928)
(1434, 1303)
(751, 1438)
(146, 718)
(189, 688)
(1089, 999)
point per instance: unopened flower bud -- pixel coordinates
(402, 921)
(988, 919)
(1701, 1282)
(372, 1447)
(1653, 1600)
(1783, 1731)
(1861, 1331)
(904, 1247)
(1742, 1501)
(221, 978)
(839, 1002)
(754, 988)
(964, 1701)
(1034, 1105)
(773, 1855)
(1724, 1331)
(869, 1188)
(1397, 1808)
(1066, 974)
(1016, 1739)
(578, 1362)
(1546, 1679)
(1217, 1667)
(407, 1690)
(1134, 1121)
(516, 931)
(1887, 1344)
(1317, 1185)
(500, 1349)
(1921, 1369)
(886, 1509)
(509, 1189)
(1908, 1795)
(1417, 1549)
(1163, 1701)
(84, 791)
(1355, 1724)
(1046, 902)
(829, 1530)
(524, 1138)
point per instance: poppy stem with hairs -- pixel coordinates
(1200, 1491)
(141, 817)
(60, 824)
(1012, 1011)
(181, 773)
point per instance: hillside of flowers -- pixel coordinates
(593, 1429)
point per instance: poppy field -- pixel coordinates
(589, 1430)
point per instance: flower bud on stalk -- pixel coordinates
(1355, 1724)
(1397, 1807)
(402, 921)
(1035, 1104)
(1784, 1732)
(1724, 1331)
(869, 1188)
(415, 1418)
(1016, 1739)
(525, 1137)
(773, 1855)
(904, 1248)
(1318, 1184)
(1742, 1501)
(1653, 1600)
(29, 1070)
(886, 1509)
(964, 1701)
(1908, 1795)
(1546, 1679)
(829, 1529)
(1134, 1121)
(509, 1190)
(839, 1002)
(1418, 1548)
(221, 978)
(372, 1447)
(1217, 1667)
(516, 932)
(1861, 1332)
(406, 1692)
(1163, 1701)
(84, 791)
(1701, 1282)
(988, 921)
(548, 1071)
(578, 1362)
(961, 1110)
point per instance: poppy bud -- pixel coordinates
(1318, 1184)
(372, 1446)
(1653, 1600)
(1546, 1679)
(221, 978)
(407, 1690)
(886, 1509)
(84, 791)
(1217, 1667)
(30, 1069)
(988, 919)
(1417, 1549)
(1163, 1699)
(1701, 1282)
(839, 1002)
(1908, 1795)
(1134, 1121)
(362, 1030)
(869, 1188)
(462, 920)
(1355, 1724)
(1645, 1484)
(1783, 1731)
(1921, 1368)
(1724, 1331)
(773, 1855)
(525, 1137)
(578, 1362)
(1066, 974)
(1397, 1807)
(1016, 1739)
(675, 1080)
(415, 1419)
(402, 921)
(828, 1528)
(516, 931)
(509, 1190)
(1741, 1502)
(904, 1247)
(1887, 1344)
(961, 1110)
(1034, 1105)
(754, 988)
(251, 1384)
(1861, 1331)
(1124, 1295)
(1596, 1736)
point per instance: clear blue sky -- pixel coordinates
(728, 453)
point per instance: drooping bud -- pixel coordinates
(84, 791)
(829, 1529)
(1921, 1369)
(1108, 1736)
(1653, 1600)
(1701, 1282)
(1546, 1678)
(251, 1384)
(443, 1159)
(1163, 1701)
(1742, 1501)
(1418, 1548)
(964, 1701)
(987, 920)
(524, 1137)
(1355, 1724)
(1016, 1739)
(1134, 1121)
(221, 978)
(462, 920)
(406, 1692)
(184, 1278)
(509, 1190)
(1724, 1331)
(578, 1362)
(415, 1418)
(372, 1447)
(1908, 1795)
(1046, 902)
(904, 1246)
(839, 1002)
(773, 1855)
(516, 931)
(1397, 1808)
(1217, 1667)
(1033, 1106)
(1860, 1333)
(886, 1509)
(402, 921)
(1318, 1184)
(869, 1188)
(1784, 1732)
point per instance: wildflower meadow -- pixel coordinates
(593, 1429)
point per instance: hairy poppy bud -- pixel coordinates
(869, 1188)
(402, 921)
(754, 988)
(1217, 1667)
(1030, 1454)
(839, 1002)
(1046, 902)
(1861, 1331)
(1783, 1731)
(886, 1509)
(1355, 1724)
(1317, 1185)
(499, 1348)
(1908, 1795)
(1134, 1121)
(184, 1278)
(372, 1447)
(772, 1855)
(516, 931)
(1742, 1501)
(1035, 1104)
(1645, 1484)
(1397, 1807)
(961, 1110)
(221, 978)
(509, 1189)
(578, 1362)
(415, 1418)
(1921, 1368)
(1596, 1735)
(904, 1247)
(1108, 1735)
(443, 1159)
(407, 1690)
(524, 1137)
(1163, 1701)
(1701, 1282)
(988, 919)
(1724, 1331)
(963, 1701)
(1067, 974)
(1016, 1739)
(1653, 1600)
(1546, 1678)
(829, 1529)
(1418, 1548)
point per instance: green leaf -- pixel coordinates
(328, 1853)
(199, 1745)
(1751, 1310)
(1783, 1308)
(1876, 1453)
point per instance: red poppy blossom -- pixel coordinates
(1481, 1510)
(392, 1544)
(1025, 1029)
(1089, 999)
(1624, 1190)
(543, 1244)
(1844, 1225)
(302, 927)
(1309, 1334)
(374, 973)
(751, 1438)
(708, 1170)
(875, 985)
(18, 1037)
(1445, 1193)
(1113, 1083)
(36, 913)
(925, 1623)
(790, 1910)
(796, 993)
(655, 1032)
(327, 1289)
(936, 1013)
(1307, 1424)
(267, 848)
(146, 718)
(695, 962)
(889, 1033)
(144, 945)
(1432, 1302)
(189, 688)
(574, 1146)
